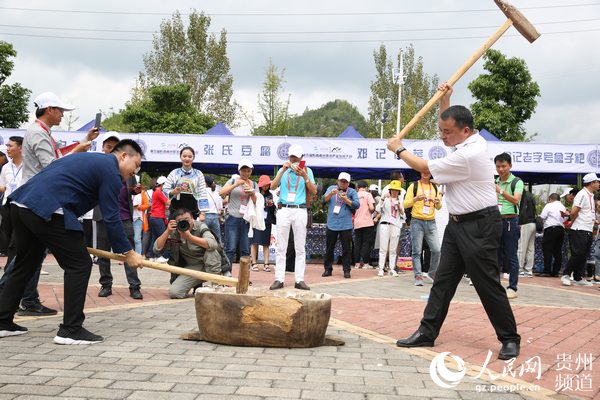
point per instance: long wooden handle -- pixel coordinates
(454, 78)
(203, 276)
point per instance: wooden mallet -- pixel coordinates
(241, 284)
(514, 18)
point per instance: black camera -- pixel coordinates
(183, 225)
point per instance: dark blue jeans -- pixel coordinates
(236, 234)
(507, 252)
(31, 295)
(212, 221)
(157, 227)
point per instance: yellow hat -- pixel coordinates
(395, 185)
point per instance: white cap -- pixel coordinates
(566, 191)
(244, 162)
(344, 176)
(49, 99)
(161, 179)
(110, 134)
(373, 187)
(296, 150)
(591, 177)
(3, 149)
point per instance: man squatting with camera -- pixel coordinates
(192, 245)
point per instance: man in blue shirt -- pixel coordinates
(71, 186)
(342, 202)
(295, 182)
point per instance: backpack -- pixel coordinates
(527, 213)
(225, 265)
(408, 211)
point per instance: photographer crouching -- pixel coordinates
(193, 246)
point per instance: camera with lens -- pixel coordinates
(183, 225)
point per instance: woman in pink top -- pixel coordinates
(363, 226)
(158, 217)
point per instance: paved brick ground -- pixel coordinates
(144, 357)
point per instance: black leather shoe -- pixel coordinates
(105, 291)
(509, 350)
(347, 275)
(136, 294)
(276, 285)
(301, 285)
(326, 273)
(417, 339)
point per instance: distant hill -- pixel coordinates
(328, 120)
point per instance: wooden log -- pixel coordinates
(263, 318)
(243, 275)
(203, 276)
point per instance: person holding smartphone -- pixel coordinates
(240, 192)
(342, 202)
(294, 184)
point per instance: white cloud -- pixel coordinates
(99, 74)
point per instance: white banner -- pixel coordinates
(347, 153)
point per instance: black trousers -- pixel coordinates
(106, 278)
(363, 244)
(331, 238)
(552, 243)
(33, 235)
(580, 243)
(471, 247)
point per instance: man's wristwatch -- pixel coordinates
(399, 151)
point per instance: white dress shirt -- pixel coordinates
(468, 174)
(551, 214)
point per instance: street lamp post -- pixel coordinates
(399, 78)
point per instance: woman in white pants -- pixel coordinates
(392, 216)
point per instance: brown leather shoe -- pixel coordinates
(276, 285)
(301, 285)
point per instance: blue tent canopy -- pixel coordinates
(219, 130)
(487, 135)
(350, 132)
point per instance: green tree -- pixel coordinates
(417, 89)
(506, 97)
(329, 120)
(13, 98)
(190, 55)
(165, 109)
(273, 109)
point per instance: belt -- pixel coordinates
(385, 223)
(293, 205)
(506, 216)
(554, 227)
(474, 215)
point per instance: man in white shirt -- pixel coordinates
(472, 236)
(583, 215)
(10, 179)
(553, 214)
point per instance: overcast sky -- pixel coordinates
(59, 51)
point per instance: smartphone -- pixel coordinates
(301, 164)
(98, 120)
